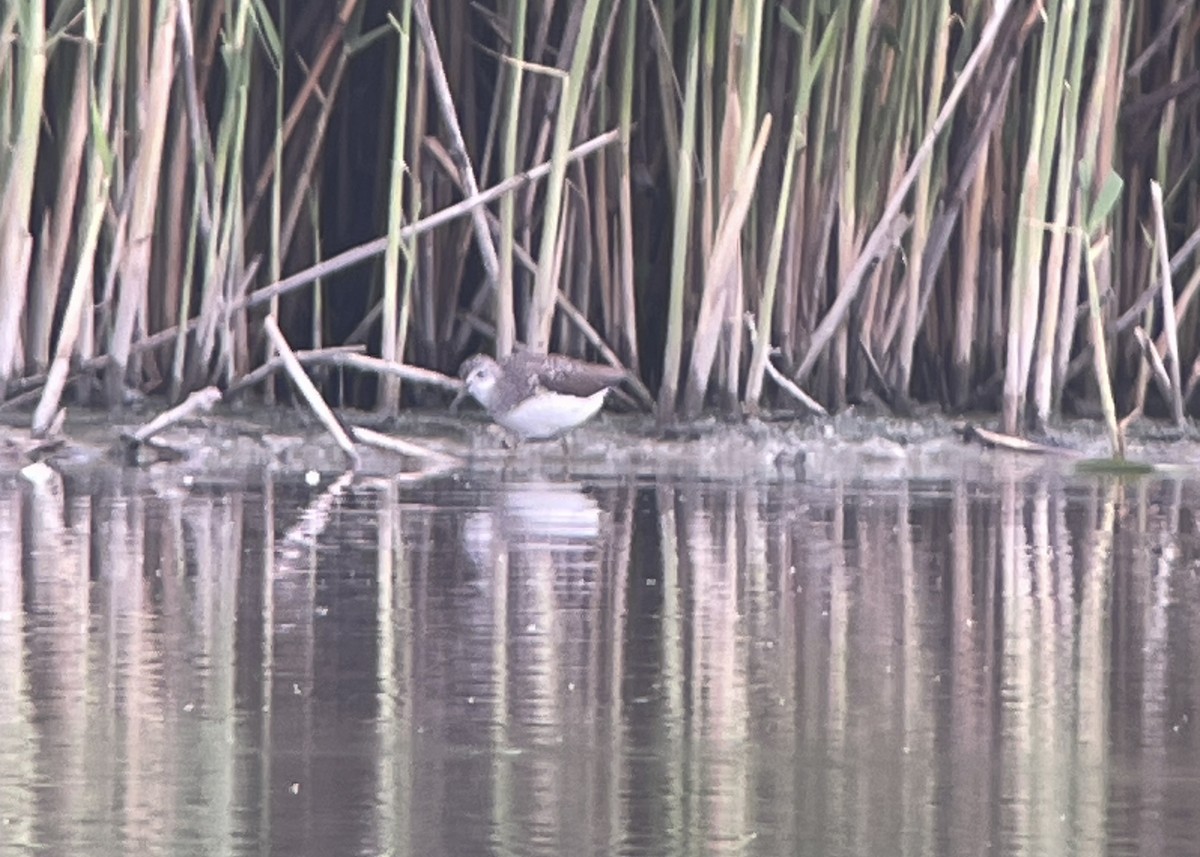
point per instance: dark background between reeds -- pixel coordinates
(163, 162)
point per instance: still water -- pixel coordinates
(600, 666)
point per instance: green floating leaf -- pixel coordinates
(1113, 467)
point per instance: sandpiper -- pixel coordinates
(538, 396)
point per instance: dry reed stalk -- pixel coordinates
(57, 236)
(406, 447)
(744, 67)
(333, 43)
(80, 292)
(134, 274)
(673, 352)
(886, 230)
(786, 384)
(721, 276)
(16, 185)
(309, 391)
(308, 357)
(628, 341)
(411, 374)
(310, 167)
(1100, 352)
(760, 344)
(200, 401)
(392, 338)
(374, 247)
(541, 309)
(458, 147)
(1170, 324)
(1158, 369)
(936, 57)
(506, 330)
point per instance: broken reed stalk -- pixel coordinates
(785, 383)
(721, 275)
(458, 147)
(412, 374)
(310, 357)
(309, 391)
(1151, 355)
(374, 247)
(806, 74)
(405, 447)
(1170, 326)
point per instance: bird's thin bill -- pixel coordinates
(462, 394)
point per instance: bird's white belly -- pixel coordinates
(547, 415)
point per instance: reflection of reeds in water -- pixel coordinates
(741, 667)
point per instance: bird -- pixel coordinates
(538, 396)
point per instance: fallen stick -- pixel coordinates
(201, 401)
(309, 391)
(403, 447)
(312, 357)
(415, 374)
(970, 431)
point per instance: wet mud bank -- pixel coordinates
(241, 442)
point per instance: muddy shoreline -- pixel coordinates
(235, 441)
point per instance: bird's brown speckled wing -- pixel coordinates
(561, 374)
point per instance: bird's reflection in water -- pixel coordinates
(533, 517)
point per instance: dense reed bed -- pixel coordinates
(981, 205)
